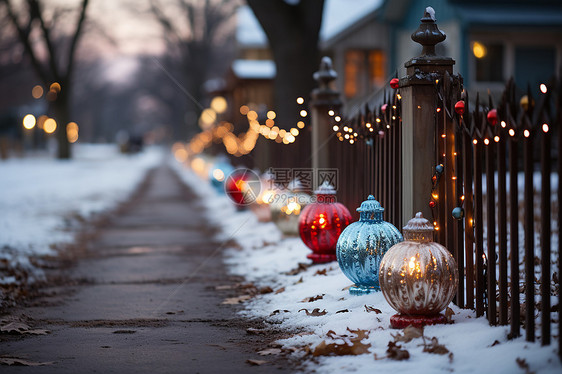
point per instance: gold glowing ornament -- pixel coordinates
(418, 277)
(286, 207)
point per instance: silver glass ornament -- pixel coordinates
(362, 245)
(418, 276)
(287, 206)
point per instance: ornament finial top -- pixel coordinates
(325, 75)
(428, 34)
(325, 189)
(370, 210)
(418, 229)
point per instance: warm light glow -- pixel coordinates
(300, 124)
(351, 141)
(399, 96)
(331, 113)
(435, 196)
(526, 133)
(269, 122)
(219, 104)
(496, 138)
(438, 110)
(207, 118)
(345, 128)
(337, 118)
(29, 121)
(462, 198)
(479, 50)
(252, 115)
(271, 114)
(292, 208)
(218, 174)
(180, 154)
(37, 92)
(50, 125)
(503, 124)
(443, 135)
(511, 132)
(300, 100)
(543, 88)
(303, 113)
(294, 132)
(72, 132)
(322, 221)
(55, 87)
(545, 127)
(244, 110)
(368, 125)
(486, 141)
(412, 264)
(335, 128)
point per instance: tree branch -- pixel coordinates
(23, 35)
(75, 38)
(35, 11)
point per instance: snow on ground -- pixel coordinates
(266, 257)
(43, 199)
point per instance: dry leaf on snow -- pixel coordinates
(395, 352)
(352, 344)
(311, 299)
(270, 351)
(410, 333)
(315, 313)
(370, 309)
(282, 289)
(434, 347)
(277, 311)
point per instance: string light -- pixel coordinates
(486, 141)
(331, 113)
(543, 88)
(511, 132)
(545, 127)
(526, 133)
(496, 139)
(300, 100)
(503, 124)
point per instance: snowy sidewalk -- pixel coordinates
(143, 299)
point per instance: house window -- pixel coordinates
(364, 71)
(489, 61)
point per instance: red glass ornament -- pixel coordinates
(459, 107)
(492, 117)
(432, 204)
(321, 224)
(394, 83)
(242, 186)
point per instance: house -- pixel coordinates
(490, 41)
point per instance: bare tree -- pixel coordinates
(197, 33)
(293, 29)
(31, 19)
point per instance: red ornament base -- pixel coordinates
(318, 258)
(400, 321)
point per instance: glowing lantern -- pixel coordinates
(418, 277)
(286, 208)
(362, 245)
(321, 224)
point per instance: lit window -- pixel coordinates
(364, 71)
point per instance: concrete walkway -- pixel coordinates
(143, 300)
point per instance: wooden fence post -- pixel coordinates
(324, 98)
(418, 90)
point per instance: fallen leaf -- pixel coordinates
(522, 363)
(14, 361)
(315, 313)
(449, 314)
(311, 299)
(496, 342)
(343, 311)
(410, 333)
(266, 290)
(277, 311)
(370, 309)
(395, 352)
(299, 269)
(256, 362)
(435, 347)
(236, 300)
(299, 281)
(270, 351)
(282, 289)
(451, 357)
(321, 272)
(347, 288)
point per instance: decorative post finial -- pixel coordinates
(325, 75)
(428, 34)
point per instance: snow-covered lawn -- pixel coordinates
(42, 199)
(313, 304)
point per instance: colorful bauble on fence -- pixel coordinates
(459, 107)
(418, 277)
(394, 83)
(287, 206)
(321, 224)
(492, 117)
(362, 245)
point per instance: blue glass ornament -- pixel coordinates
(362, 245)
(218, 173)
(458, 213)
